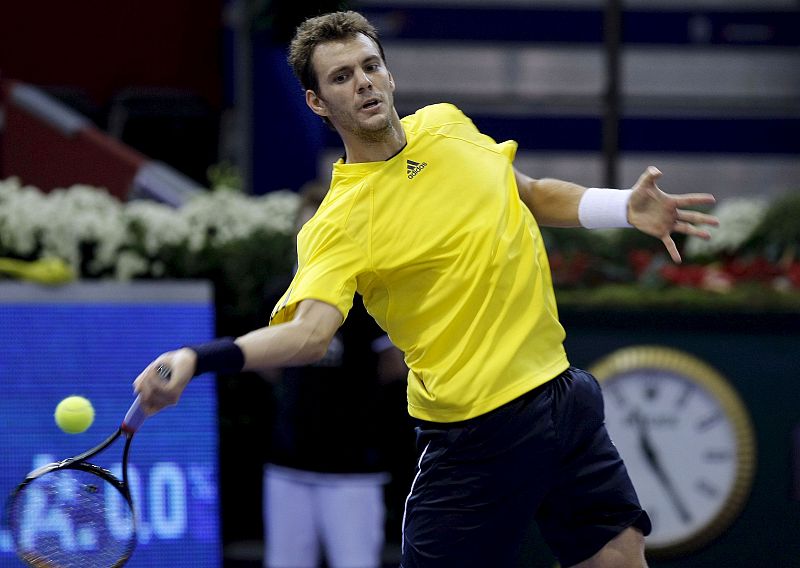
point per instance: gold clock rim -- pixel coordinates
(701, 373)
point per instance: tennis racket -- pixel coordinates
(74, 514)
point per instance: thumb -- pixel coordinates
(649, 177)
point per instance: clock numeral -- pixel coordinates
(616, 394)
(709, 422)
(706, 488)
(684, 397)
(717, 455)
(651, 391)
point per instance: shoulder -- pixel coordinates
(348, 191)
(447, 120)
(341, 218)
(436, 115)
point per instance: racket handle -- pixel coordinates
(135, 416)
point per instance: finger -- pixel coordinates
(140, 382)
(649, 177)
(697, 218)
(136, 382)
(692, 199)
(671, 249)
(691, 230)
(141, 388)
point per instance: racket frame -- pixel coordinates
(133, 420)
(80, 463)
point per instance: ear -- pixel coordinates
(391, 82)
(316, 104)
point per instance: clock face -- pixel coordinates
(686, 441)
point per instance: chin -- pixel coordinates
(375, 127)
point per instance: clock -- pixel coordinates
(686, 439)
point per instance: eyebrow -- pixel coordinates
(341, 68)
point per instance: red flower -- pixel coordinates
(640, 260)
(690, 275)
(758, 269)
(793, 274)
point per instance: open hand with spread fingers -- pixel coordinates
(660, 214)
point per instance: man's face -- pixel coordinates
(355, 88)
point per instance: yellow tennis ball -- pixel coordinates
(74, 414)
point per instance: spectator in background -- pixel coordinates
(325, 476)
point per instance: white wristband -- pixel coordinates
(603, 208)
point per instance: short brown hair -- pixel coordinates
(321, 29)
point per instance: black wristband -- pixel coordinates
(218, 356)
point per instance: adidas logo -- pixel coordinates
(413, 168)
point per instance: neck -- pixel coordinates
(360, 148)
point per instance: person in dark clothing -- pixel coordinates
(326, 471)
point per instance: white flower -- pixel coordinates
(83, 216)
(8, 187)
(129, 265)
(126, 239)
(738, 219)
(222, 217)
(22, 218)
(156, 225)
(278, 210)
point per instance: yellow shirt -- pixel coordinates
(449, 261)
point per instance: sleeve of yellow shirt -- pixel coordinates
(329, 261)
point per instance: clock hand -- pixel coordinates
(655, 464)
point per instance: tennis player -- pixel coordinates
(429, 220)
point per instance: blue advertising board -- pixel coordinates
(93, 340)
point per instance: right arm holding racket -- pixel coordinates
(300, 341)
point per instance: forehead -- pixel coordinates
(349, 51)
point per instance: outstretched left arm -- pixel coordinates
(557, 203)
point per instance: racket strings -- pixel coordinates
(72, 518)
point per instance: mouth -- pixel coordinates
(370, 104)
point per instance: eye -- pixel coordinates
(341, 78)
(372, 67)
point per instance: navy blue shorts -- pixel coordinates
(545, 456)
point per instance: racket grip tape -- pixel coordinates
(135, 417)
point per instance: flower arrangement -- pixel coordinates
(99, 236)
(243, 243)
(751, 261)
(239, 242)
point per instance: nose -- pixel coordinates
(363, 80)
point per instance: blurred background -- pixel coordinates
(165, 141)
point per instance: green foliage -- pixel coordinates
(225, 176)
